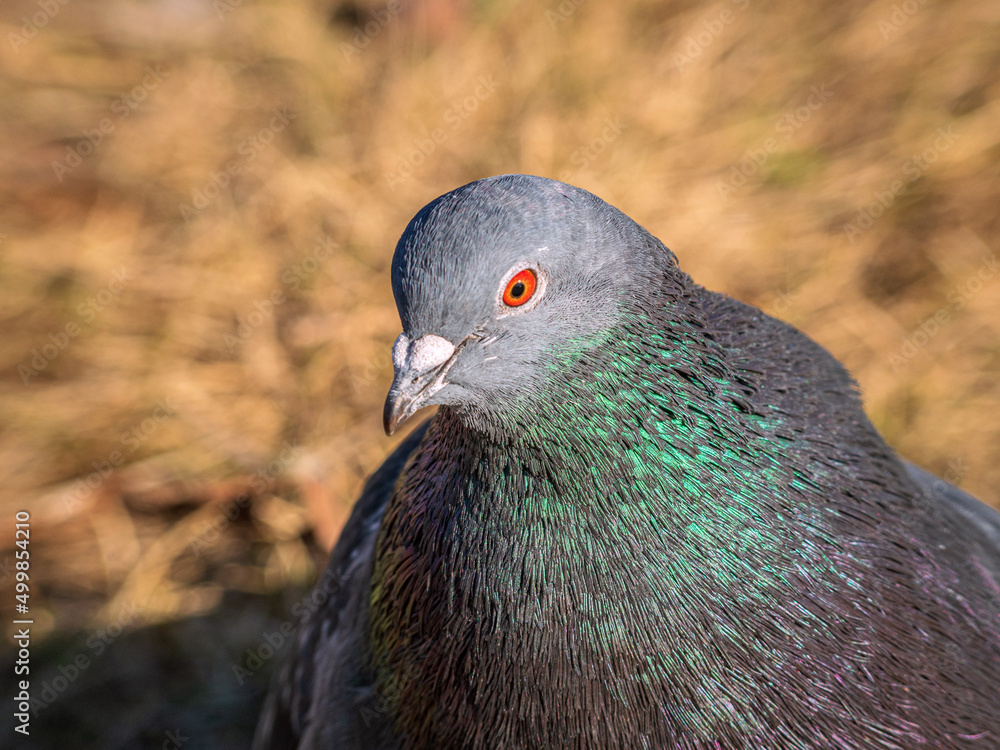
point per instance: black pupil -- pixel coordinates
(517, 290)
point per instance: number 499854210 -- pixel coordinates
(22, 538)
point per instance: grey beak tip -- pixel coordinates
(389, 424)
(420, 367)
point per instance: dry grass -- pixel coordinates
(178, 376)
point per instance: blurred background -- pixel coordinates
(199, 200)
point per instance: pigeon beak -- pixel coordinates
(420, 367)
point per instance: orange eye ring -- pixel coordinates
(520, 288)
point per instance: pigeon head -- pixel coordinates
(497, 281)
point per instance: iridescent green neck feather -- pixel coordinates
(651, 527)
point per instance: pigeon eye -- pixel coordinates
(520, 288)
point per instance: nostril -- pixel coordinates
(429, 351)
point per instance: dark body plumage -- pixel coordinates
(651, 517)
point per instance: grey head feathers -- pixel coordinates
(461, 345)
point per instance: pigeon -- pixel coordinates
(644, 515)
